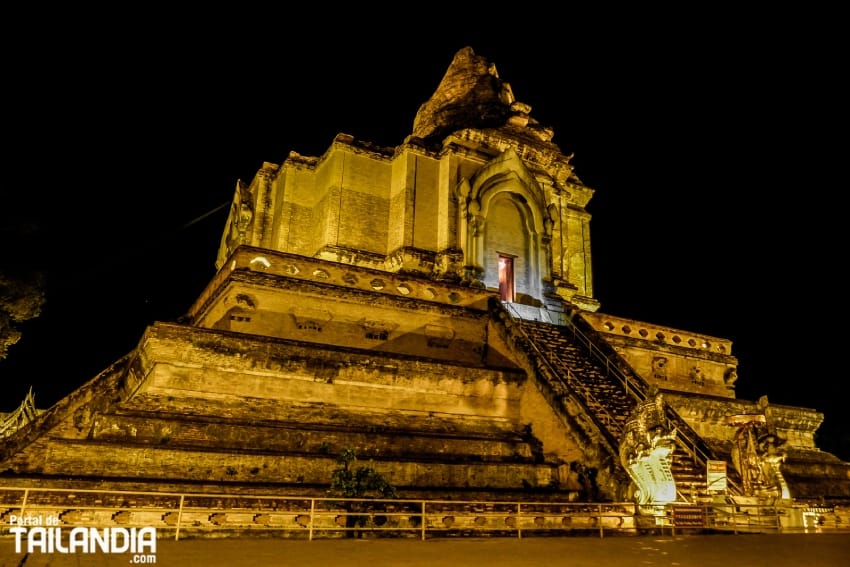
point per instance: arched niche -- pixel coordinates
(505, 217)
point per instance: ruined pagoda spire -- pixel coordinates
(472, 95)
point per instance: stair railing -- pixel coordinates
(688, 439)
(606, 423)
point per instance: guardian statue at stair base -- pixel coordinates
(757, 456)
(645, 452)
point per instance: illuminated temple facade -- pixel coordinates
(431, 306)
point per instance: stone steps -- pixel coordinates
(455, 440)
(604, 395)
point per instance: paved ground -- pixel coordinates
(797, 550)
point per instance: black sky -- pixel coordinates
(716, 152)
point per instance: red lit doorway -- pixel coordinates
(506, 278)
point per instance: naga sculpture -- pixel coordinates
(645, 451)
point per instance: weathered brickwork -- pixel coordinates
(359, 211)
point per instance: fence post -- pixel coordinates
(179, 518)
(601, 525)
(423, 520)
(312, 513)
(518, 521)
(24, 501)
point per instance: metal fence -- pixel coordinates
(189, 515)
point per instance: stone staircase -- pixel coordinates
(610, 391)
(605, 398)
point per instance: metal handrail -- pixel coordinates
(575, 385)
(223, 514)
(194, 513)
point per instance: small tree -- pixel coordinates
(350, 481)
(21, 299)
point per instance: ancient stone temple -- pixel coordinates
(430, 306)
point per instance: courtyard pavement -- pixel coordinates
(797, 550)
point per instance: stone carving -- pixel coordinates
(448, 266)
(757, 456)
(241, 215)
(310, 319)
(474, 217)
(245, 301)
(659, 367)
(377, 330)
(645, 450)
(551, 219)
(697, 376)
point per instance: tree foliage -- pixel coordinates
(21, 299)
(22, 269)
(351, 481)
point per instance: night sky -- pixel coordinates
(715, 151)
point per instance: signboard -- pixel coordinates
(688, 516)
(716, 475)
